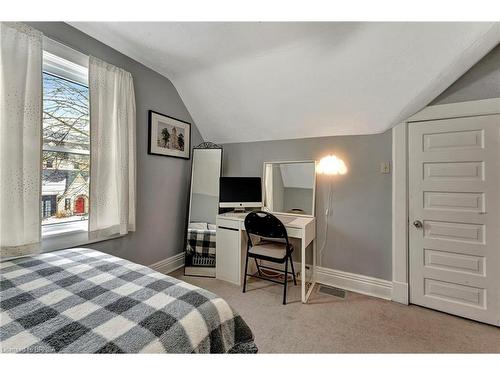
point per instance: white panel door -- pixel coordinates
(454, 208)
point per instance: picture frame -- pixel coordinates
(168, 136)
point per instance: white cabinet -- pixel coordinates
(228, 255)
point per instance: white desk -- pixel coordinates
(232, 243)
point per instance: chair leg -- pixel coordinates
(257, 264)
(293, 271)
(286, 281)
(245, 276)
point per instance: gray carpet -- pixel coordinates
(356, 324)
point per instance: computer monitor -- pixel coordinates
(240, 192)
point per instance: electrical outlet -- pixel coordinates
(385, 167)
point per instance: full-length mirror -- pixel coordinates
(203, 208)
(289, 187)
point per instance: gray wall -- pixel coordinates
(482, 81)
(298, 198)
(162, 182)
(359, 230)
(204, 208)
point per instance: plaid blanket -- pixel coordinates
(85, 301)
(201, 242)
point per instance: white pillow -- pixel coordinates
(212, 227)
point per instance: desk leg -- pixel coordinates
(313, 271)
(306, 292)
(312, 274)
(303, 270)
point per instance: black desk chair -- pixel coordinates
(271, 245)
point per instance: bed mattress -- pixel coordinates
(85, 301)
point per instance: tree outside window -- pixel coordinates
(66, 148)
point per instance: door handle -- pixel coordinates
(417, 224)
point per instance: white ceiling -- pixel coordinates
(261, 81)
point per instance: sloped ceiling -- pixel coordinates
(263, 81)
(297, 175)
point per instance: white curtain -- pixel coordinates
(112, 148)
(20, 137)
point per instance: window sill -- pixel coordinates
(72, 239)
(60, 242)
(64, 228)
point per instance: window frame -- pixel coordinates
(66, 63)
(58, 67)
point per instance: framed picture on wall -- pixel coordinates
(168, 136)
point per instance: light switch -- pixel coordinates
(385, 167)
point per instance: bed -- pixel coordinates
(84, 301)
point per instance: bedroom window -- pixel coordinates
(65, 146)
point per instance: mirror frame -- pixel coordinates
(314, 162)
(201, 146)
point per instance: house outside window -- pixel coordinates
(65, 146)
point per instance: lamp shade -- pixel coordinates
(331, 165)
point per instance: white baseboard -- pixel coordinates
(371, 286)
(169, 264)
(400, 292)
(353, 282)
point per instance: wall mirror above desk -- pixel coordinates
(290, 187)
